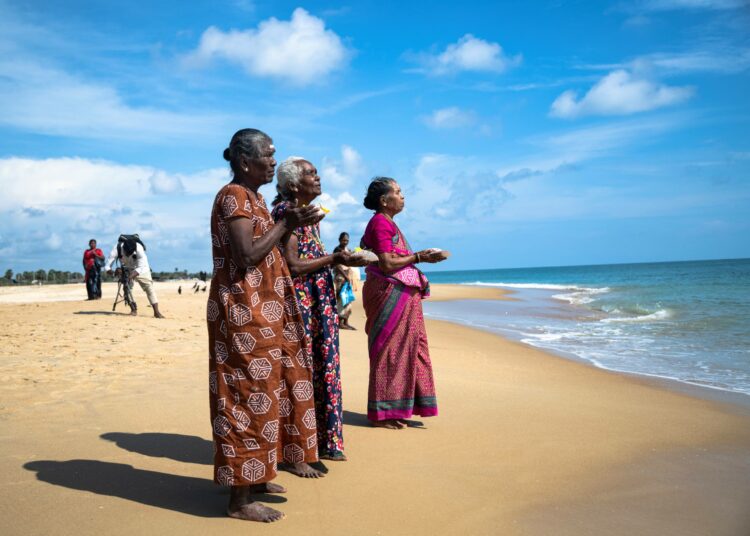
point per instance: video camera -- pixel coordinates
(127, 244)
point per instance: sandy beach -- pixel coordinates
(104, 429)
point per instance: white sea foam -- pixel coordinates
(546, 337)
(542, 286)
(661, 314)
(582, 295)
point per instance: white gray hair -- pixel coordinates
(287, 174)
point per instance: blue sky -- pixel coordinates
(523, 133)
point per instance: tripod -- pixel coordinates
(124, 286)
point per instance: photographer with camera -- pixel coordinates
(131, 253)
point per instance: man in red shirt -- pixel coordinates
(93, 260)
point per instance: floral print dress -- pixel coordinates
(317, 300)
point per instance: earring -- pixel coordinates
(246, 169)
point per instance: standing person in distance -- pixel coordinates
(343, 274)
(93, 260)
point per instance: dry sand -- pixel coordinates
(104, 429)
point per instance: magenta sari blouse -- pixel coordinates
(382, 235)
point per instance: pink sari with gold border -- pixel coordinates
(401, 379)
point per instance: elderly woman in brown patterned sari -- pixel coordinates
(261, 395)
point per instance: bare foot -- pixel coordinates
(255, 511)
(133, 312)
(390, 424)
(347, 326)
(158, 315)
(411, 424)
(267, 487)
(301, 469)
(337, 456)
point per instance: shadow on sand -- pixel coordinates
(105, 313)
(355, 419)
(188, 495)
(358, 419)
(182, 448)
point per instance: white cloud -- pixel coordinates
(564, 151)
(74, 199)
(206, 182)
(469, 53)
(68, 181)
(448, 118)
(545, 186)
(301, 51)
(347, 212)
(46, 100)
(619, 93)
(344, 172)
(718, 59)
(334, 203)
(670, 5)
(726, 61)
(54, 242)
(164, 183)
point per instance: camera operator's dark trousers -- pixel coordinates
(94, 283)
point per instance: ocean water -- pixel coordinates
(686, 321)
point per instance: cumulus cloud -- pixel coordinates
(344, 172)
(448, 118)
(54, 242)
(334, 203)
(300, 51)
(164, 183)
(74, 199)
(68, 180)
(619, 93)
(469, 53)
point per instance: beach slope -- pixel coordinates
(104, 428)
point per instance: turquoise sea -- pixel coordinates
(686, 321)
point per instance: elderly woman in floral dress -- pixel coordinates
(298, 185)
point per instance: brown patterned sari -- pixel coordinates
(261, 393)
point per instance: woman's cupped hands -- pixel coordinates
(348, 258)
(297, 216)
(432, 255)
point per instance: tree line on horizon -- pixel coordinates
(61, 277)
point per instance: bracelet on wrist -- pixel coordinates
(416, 256)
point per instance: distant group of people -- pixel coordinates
(93, 260)
(274, 312)
(130, 253)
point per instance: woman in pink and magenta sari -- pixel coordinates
(401, 382)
